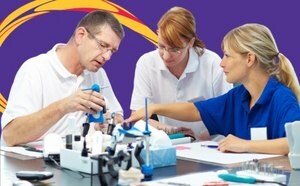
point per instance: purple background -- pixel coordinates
(214, 19)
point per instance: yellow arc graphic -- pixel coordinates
(40, 7)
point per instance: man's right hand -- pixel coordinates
(89, 102)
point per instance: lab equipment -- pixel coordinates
(292, 131)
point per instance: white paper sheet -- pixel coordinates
(194, 179)
(22, 151)
(196, 152)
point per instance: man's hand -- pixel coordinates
(89, 102)
(30, 127)
(118, 118)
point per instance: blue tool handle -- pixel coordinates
(237, 178)
(176, 135)
(98, 117)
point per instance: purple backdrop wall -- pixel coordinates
(214, 18)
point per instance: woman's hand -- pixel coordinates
(233, 144)
(140, 114)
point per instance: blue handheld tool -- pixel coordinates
(131, 132)
(245, 179)
(127, 127)
(98, 117)
(111, 125)
(176, 135)
(237, 178)
(95, 87)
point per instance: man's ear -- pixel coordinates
(79, 34)
(251, 59)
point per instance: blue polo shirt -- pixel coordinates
(230, 113)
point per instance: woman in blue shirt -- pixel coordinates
(252, 115)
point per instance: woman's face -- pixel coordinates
(234, 66)
(173, 57)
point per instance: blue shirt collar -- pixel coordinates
(265, 96)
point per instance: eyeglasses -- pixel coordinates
(103, 47)
(170, 50)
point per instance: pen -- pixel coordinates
(210, 146)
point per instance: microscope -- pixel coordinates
(116, 157)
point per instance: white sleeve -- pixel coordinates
(25, 95)
(112, 102)
(142, 82)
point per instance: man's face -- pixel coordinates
(97, 49)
